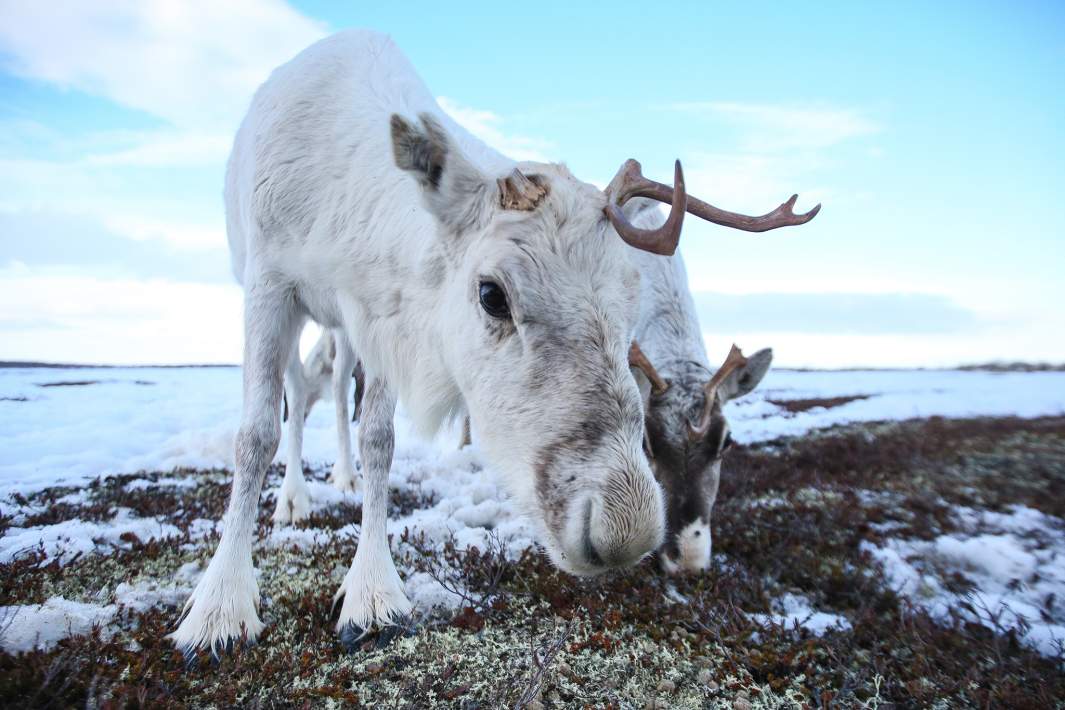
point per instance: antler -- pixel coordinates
(638, 359)
(630, 182)
(734, 361)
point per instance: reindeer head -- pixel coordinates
(536, 303)
(687, 435)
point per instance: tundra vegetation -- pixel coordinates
(790, 519)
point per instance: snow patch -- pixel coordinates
(41, 626)
(1013, 564)
(144, 595)
(795, 611)
(66, 540)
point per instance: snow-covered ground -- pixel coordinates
(157, 419)
(126, 420)
(1015, 561)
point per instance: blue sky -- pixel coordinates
(934, 135)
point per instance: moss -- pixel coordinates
(790, 518)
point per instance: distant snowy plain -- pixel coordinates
(157, 419)
(55, 431)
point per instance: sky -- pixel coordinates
(932, 133)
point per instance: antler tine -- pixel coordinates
(629, 182)
(638, 359)
(734, 361)
(782, 216)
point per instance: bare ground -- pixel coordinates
(525, 635)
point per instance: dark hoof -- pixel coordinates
(355, 638)
(390, 633)
(192, 656)
(351, 637)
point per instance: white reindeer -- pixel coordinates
(459, 277)
(327, 370)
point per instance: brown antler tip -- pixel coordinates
(733, 361)
(787, 213)
(639, 360)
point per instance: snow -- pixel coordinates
(145, 595)
(42, 626)
(71, 538)
(160, 420)
(794, 610)
(894, 395)
(1015, 562)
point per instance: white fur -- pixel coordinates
(323, 224)
(694, 545)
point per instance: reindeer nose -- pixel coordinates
(592, 554)
(620, 530)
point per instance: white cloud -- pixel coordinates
(96, 190)
(168, 148)
(85, 319)
(193, 62)
(752, 182)
(180, 235)
(771, 128)
(770, 152)
(488, 126)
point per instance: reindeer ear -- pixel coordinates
(454, 190)
(744, 379)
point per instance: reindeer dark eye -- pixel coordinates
(493, 300)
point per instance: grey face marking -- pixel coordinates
(573, 448)
(435, 271)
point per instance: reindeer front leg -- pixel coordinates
(223, 608)
(343, 476)
(372, 591)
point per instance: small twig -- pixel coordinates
(537, 681)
